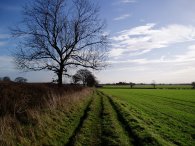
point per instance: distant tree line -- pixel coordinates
(17, 79)
(131, 84)
(154, 84)
(122, 83)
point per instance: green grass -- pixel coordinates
(40, 114)
(112, 117)
(90, 131)
(167, 116)
(101, 126)
(55, 126)
(113, 132)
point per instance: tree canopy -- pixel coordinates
(85, 77)
(20, 80)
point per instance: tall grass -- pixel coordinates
(23, 106)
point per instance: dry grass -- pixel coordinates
(22, 107)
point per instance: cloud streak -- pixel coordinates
(187, 57)
(142, 39)
(122, 17)
(2, 39)
(127, 1)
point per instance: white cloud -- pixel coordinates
(115, 52)
(145, 38)
(3, 36)
(127, 1)
(124, 2)
(186, 58)
(122, 17)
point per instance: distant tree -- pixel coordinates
(61, 34)
(76, 78)
(1, 79)
(131, 84)
(193, 85)
(121, 83)
(6, 78)
(153, 84)
(85, 77)
(20, 80)
(91, 80)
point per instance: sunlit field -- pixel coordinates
(168, 115)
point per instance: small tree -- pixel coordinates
(20, 80)
(76, 78)
(84, 76)
(6, 78)
(131, 84)
(153, 84)
(91, 80)
(193, 85)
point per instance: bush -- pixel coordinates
(20, 80)
(6, 78)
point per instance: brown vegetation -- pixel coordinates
(17, 98)
(22, 105)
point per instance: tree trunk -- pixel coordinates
(60, 78)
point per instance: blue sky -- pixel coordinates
(150, 40)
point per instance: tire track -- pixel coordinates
(118, 126)
(88, 132)
(78, 128)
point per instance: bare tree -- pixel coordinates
(60, 34)
(131, 84)
(193, 85)
(153, 84)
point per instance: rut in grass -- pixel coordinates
(113, 131)
(100, 125)
(88, 131)
(72, 138)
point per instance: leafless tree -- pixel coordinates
(131, 84)
(153, 84)
(57, 35)
(193, 85)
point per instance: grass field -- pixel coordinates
(88, 117)
(167, 115)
